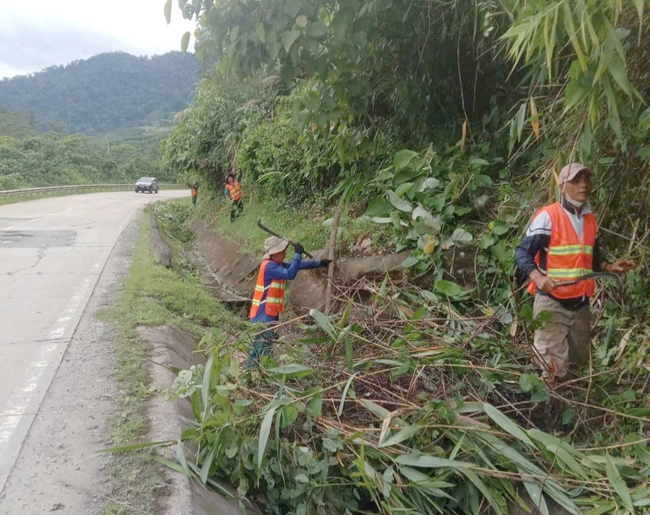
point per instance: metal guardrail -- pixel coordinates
(82, 187)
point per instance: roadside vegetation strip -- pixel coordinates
(308, 225)
(153, 295)
(420, 411)
(411, 402)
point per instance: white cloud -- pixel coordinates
(41, 33)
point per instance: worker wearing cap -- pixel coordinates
(560, 245)
(268, 301)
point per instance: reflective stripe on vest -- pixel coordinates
(235, 191)
(271, 296)
(566, 257)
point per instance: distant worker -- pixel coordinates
(560, 245)
(195, 192)
(268, 301)
(234, 195)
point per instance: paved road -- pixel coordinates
(52, 252)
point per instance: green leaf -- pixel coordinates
(345, 393)
(260, 32)
(379, 206)
(315, 405)
(403, 188)
(289, 416)
(403, 158)
(317, 30)
(526, 382)
(375, 409)
(291, 371)
(185, 41)
(168, 11)
(535, 493)
(207, 464)
(461, 237)
(430, 184)
(410, 261)
(265, 431)
(382, 220)
(288, 38)
(448, 288)
(324, 323)
(428, 461)
(506, 424)
(618, 483)
(399, 437)
(399, 203)
(205, 386)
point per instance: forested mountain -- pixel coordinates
(106, 92)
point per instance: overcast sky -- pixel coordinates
(35, 34)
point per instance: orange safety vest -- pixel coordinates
(235, 191)
(271, 296)
(567, 258)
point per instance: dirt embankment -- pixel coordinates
(237, 269)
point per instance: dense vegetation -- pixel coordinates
(29, 158)
(105, 92)
(444, 122)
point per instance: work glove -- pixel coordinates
(325, 262)
(299, 248)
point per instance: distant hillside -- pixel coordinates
(106, 92)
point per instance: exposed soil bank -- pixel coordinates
(238, 270)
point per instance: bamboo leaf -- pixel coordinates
(345, 393)
(428, 461)
(375, 409)
(205, 386)
(535, 494)
(291, 371)
(473, 477)
(618, 484)
(535, 118)
(265, 431)
(185, 41)
(168, 11)
(400, 436)
(506, 424)
(207, 464)
(324, 323)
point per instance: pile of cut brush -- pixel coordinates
(390, 409)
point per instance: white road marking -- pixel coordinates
(15, 409)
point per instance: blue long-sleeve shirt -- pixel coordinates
(283, 272)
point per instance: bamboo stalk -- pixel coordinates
(332, 249)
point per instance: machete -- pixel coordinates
(594, 275)
(264, 228)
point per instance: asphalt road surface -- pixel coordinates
(52, 254)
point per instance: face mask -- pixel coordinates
(573, 202)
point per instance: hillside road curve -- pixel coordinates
(52, 254)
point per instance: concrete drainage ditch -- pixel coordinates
(228, 274)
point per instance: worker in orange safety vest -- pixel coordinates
(233, 193)
(194, 191)
(561, 244)
(268, 300)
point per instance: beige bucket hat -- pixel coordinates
(274, 245)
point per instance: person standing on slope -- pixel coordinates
(195, 192)
(234, 195)
(561, 244)
(268, 300)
